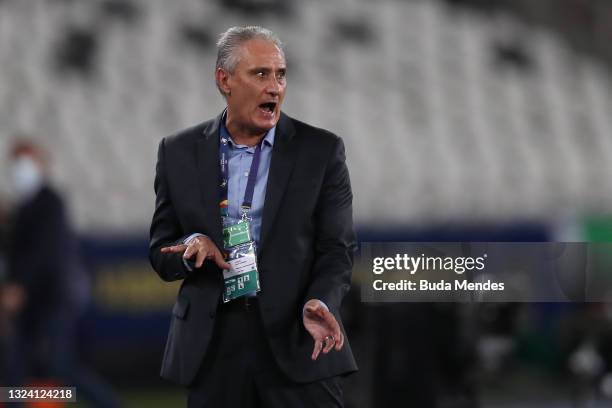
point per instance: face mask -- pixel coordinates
(27, 177)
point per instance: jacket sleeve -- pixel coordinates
(334, 237)
(165, 227)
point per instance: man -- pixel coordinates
(48, 288)
(282, 345)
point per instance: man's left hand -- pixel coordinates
(323, 327)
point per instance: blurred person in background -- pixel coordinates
(47, 288)
(8, 302)
(283, 346)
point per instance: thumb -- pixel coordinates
(313, 311)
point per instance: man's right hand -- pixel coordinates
(202, 248)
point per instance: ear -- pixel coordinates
(222, 78)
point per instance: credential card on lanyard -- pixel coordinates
(242, 278)
(236, 234)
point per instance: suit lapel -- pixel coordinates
(208, 179)
(283, 159)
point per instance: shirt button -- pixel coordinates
(246, 174)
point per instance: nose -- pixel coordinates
(274, 86)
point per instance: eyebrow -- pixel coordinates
(267, 70)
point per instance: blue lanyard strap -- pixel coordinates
(250, 187)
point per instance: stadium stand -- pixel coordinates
(448, 115)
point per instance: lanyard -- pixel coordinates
(250, 187)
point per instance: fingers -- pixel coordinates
(339, 337)
(328, 344)
(200, 257)
(199, 247)
(219, 260)
(324, 329)
(329, 321)
(190, 251)
(173, 249)
(202, 248)
(317, 349)
(336, 332)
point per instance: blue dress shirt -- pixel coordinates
(239, 164)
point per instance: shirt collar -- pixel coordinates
(267, 140)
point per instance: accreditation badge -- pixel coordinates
(236, 234)
(242, 278)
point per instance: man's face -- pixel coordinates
(256, 88)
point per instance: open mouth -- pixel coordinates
(268, 107)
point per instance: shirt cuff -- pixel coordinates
(189, 265)
(192, 236)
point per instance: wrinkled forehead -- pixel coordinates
(259, 52)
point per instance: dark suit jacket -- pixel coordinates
(305, 249)
(43, 258)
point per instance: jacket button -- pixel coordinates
(211, 315)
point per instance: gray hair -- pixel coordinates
(228, 53)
